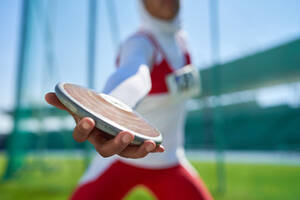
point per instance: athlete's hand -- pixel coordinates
(85, 130)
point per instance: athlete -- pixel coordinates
(145, 60)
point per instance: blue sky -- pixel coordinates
(245, 27)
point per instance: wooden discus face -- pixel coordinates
(110, 108)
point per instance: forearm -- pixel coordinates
(129, 86)
(131, 81)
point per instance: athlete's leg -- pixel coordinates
(113, 183)
(177, 183)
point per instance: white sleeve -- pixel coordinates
(131, 81)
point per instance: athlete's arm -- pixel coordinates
(131, 81)
(132, 76)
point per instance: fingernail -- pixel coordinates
(161, 149)
(150, 147)
(126, 139)
(86, 126)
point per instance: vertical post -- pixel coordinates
(216, 79)
(14, 152)
(91, 53)
(113, 22)
(92, 42)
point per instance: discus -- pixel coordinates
(111, 116)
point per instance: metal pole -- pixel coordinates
(14, 158)
(92, 42)
(217, 115)
(91, 53)
(113, 22)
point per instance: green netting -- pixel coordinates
(37, 74)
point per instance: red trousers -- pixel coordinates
(117, 180)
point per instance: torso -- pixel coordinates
(161, 109)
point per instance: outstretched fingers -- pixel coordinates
(113, 146)
(141, 151)
(121, 145)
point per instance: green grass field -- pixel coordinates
(55, 178)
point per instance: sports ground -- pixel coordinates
(54, 178)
